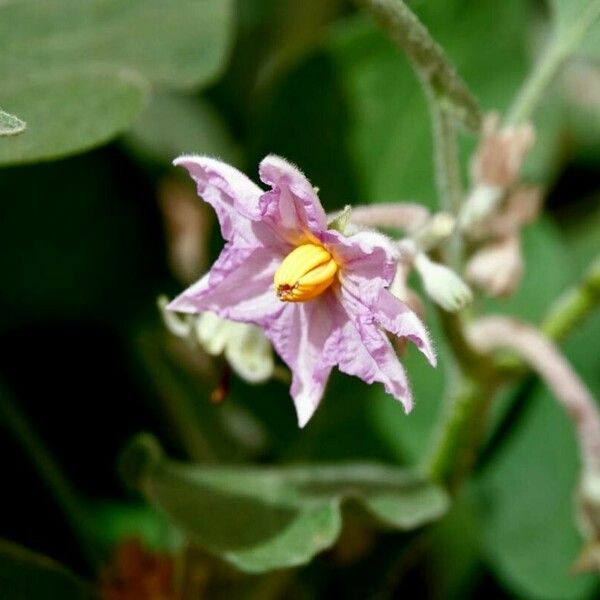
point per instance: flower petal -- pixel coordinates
(238, 287)
(365, 258)
(292, 207)
(299, 333)
(359, 347)
(234, 197)
(393, 315)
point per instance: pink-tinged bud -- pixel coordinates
(501, 153)
(522, 207)
(496, 268)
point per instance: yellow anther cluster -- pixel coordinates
(305, 273)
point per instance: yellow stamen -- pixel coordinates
(305, 273)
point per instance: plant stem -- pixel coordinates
(427, 57)
(66, 496)
(566, 313)
(535, 85)
(574, 305)
(447, 164)
(565, 41)
(460, 434)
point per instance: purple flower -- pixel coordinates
(321, 297)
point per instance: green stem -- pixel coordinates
(427, 57)
(446, 160)
(565, 314)
(566, 40)
(64, 493)
(574, 305)
(535, 85)
(460, 434)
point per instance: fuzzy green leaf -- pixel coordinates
(174, 124)
(118, 48)
(261, 519)
(70, 112)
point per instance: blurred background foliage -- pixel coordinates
(112, 91)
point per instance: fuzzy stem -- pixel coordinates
(447, 164)
(541, 354)
(428, 59)
(64, 493)
(565, 314)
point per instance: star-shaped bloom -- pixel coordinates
(321, 297)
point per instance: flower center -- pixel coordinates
(305, 272)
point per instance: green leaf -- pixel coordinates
(111, 51)
(181, 43)
(268, 518)
(174, 124)
(529, 529)
(10, 125)
(26, 574)
(70, 112)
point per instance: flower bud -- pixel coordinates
(501, 153)
(180, 326)
(245, 347)
(442, 284)
(497, 268)
(436, 230)
(481, 203)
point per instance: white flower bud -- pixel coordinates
(442, 284)
(436, 230)
(178, 325)
(250, 354)
(245, 347)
